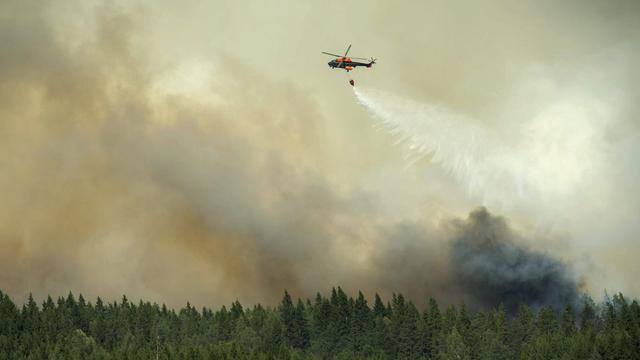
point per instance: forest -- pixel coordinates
(335, 327)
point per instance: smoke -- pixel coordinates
(493, 268)
(116, 183)
(132, 163)
(481, 260)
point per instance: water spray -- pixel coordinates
(451, 139)
(544, 159)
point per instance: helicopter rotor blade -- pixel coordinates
(346, 52)
(326, 53)
(359, 58)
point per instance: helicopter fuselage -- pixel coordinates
(347, 64)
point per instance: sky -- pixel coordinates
(203, 151)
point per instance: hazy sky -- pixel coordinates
(204, 151)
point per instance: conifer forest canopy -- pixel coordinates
(336, 326)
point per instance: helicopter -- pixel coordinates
(346, 63)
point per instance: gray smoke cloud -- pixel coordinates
(493, 268)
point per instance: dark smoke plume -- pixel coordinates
(493, 269)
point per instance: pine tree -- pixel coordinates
(404, 318)
(340, 320)
(454, 347)
(492, 342)
(9, 323)
(379, 310)
(610, 316)
(449, 319)
(361, 324)
(31, 316)
(547, 321)
(568, 322)
(464, 322)
(433, 329)
(634, 308)
(273, 334)
(321, 314)
(522, 330)
(301, 327)
(500, 324)
(287, 310)
(382, 337)
(588, 315)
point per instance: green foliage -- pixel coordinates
(454, 347)
(338, 327)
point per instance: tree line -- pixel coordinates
(334, 327)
